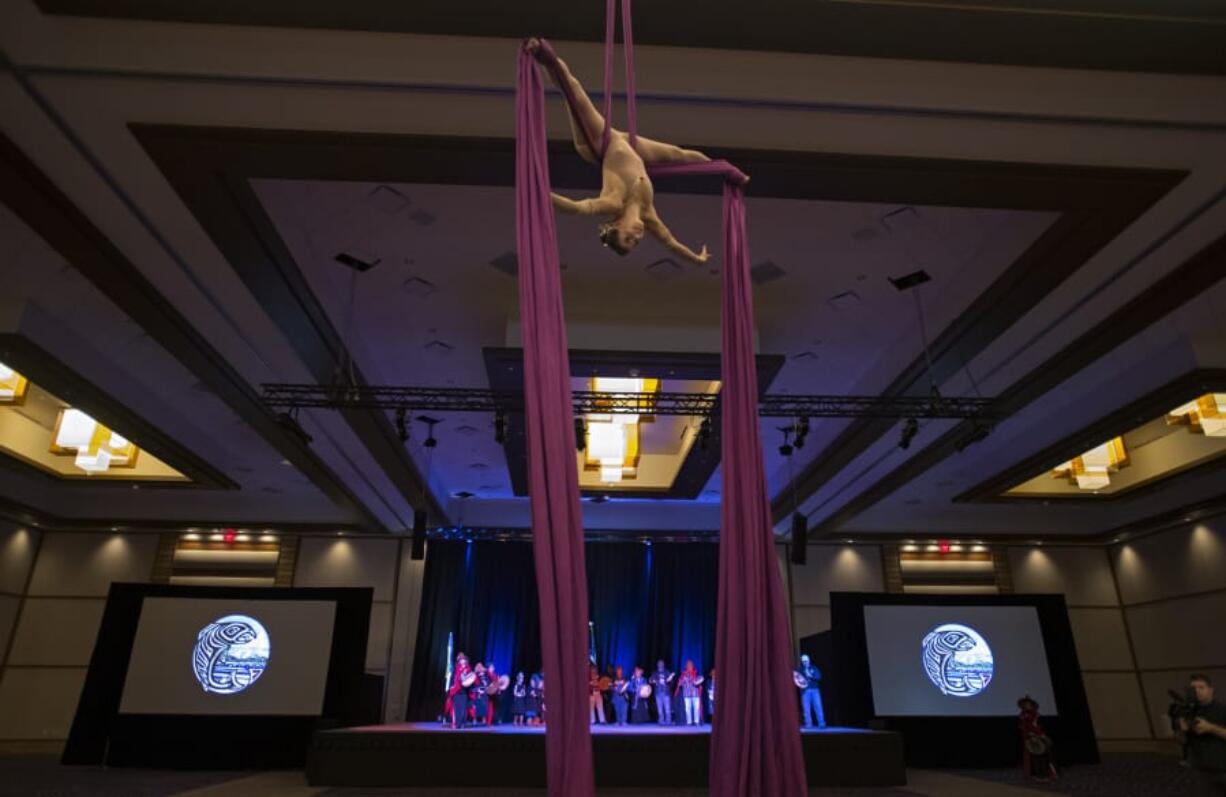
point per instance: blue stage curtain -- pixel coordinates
(646, 601)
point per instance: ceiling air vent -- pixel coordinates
(908, 281)
(901, 219)
(388, 200)
(418, 287)
(467, 430)
(805, 356)
(847, 300)
(357, 260)
(463, 494)
(438, 347)
(765, 272)
(507, 263)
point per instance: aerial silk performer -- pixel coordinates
(755, 745)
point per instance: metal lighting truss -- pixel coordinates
(290, 397)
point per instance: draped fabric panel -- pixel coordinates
(646, 602)
(755, 747)
(553, 483)
(755, 744)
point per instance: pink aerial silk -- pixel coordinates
(755, 745)
(553, 483)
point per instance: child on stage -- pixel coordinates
(639, 712)
(519, 700)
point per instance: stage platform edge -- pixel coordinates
(425, 755)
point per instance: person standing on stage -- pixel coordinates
(478, 697)
(711, 697)
(595, 697)
(660, 685)
(621, 695)
(639, 712)
(689, 687)
(807, 679)
(457, 695)
(519, 700)
(536, 699)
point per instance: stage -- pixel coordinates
(427, 754)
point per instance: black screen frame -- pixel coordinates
(964, 741)
(101, 735)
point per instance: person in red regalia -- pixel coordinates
(456, 707)
(1036, 744)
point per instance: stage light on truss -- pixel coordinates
(500, 428)
(910, 429)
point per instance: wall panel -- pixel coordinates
(379, 638)
(86, 564)
(17, 547)
(1183, 632)
(849, 568)
(1116, 706)
(57, 631)
(1177, 562)
(810, 620)
(348, 562)
(1102, 642)
(1083, 575)
(8, 619)
(38, 703)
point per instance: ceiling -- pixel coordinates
(175, 193)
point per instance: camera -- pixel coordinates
(1183, 706)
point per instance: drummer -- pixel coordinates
(479, 696)
(640, 697)
(595, 697)
(457, 693)
(620, 692)
(661, 686)
(808, 679)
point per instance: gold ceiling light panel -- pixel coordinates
(1092, 470)
(612, 439)
(1206, 414)
(96, 448)
(12, 386)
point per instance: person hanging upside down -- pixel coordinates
(626, 194)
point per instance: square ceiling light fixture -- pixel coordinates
(40, 430)
(12, 386)
(1206, 415)
(612, 438)
(1158, 437)
(94, 447)
(1092, 470)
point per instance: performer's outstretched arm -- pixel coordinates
(586, 207)
(657, 228)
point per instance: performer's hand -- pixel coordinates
(532, 45)
(703, 256)
(1202, 725)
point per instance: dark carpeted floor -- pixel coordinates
(42, 776)
(1119, 775)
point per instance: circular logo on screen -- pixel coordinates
(957, 660)
(230, 654)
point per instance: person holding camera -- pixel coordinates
(1205, 727)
